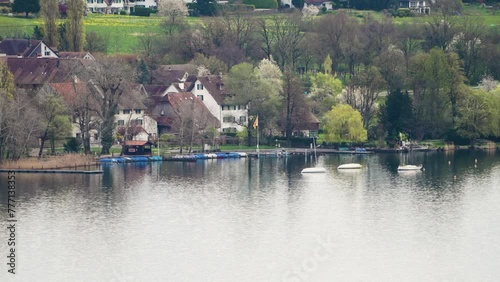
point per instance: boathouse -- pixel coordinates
(137, 147)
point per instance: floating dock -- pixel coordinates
(67, 171)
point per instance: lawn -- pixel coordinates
(122, 32)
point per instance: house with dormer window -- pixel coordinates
(210, 90)
(26, 48)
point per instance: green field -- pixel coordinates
(122, 32)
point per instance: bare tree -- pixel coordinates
(109, 80)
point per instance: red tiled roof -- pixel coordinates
(73, 55)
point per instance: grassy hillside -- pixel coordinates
(122, 32)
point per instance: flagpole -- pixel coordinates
(258, 141)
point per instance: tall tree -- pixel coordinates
(325, 90)
(75, 27)
(343, 124)
(206, 7)
(7, 88)
(396, 115)
(294, 107)
(109, 83)
(476, 116)
(26, 6)
(49, 9)
(363, 92)
(438, 84)
(53, 114)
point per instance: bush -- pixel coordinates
(73, 145)
(141, 12)
(122, 12)
(262, 4)
(235, 8)
(404, 12)
(5, 10)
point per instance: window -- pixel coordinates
(138, 122)
(47, 53)
(229, 130)
(126, 112)
(78, 135)
(243, 119)
(138, 111)
(200, 97)
(199, 86)
(121, 123)
(229, 119)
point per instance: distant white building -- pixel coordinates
(115, 6)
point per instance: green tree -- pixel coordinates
(206, 7)
(95, 43)
(343, 124)
(260, 88)
(396, 115)
(75, 26)
(54, 119)
(476, 115)
(143, 73)
(26, 6)
(438, 84)
(327, 65)
(299, 4)
(7, 88)
(325, 90)
(49, 10)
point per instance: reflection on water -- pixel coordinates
(262, 220)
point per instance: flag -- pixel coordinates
(256, 122)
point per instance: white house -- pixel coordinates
(115, 6)
(133, 117)
(421, 7)
(232, 116)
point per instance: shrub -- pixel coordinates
(404, 12)
(122, 12)
(73, 145)
(5, 10)
(262, 4)
(142, 12)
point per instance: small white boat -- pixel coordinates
(409, 167)
(314, 170)
(242, 155)
(350, 166)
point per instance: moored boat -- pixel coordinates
(409, 167)
(350, 166)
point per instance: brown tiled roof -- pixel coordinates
(37, 71)
(310, 122)
(183, 101)
(155, 90)
(73, 55)
(166, 77)
(136, 143)
(215, 86)
(18, 47)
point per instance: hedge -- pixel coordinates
(262, 4)
(142, 12)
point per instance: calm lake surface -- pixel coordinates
(261, 220)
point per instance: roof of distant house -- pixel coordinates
(155, 90)
(18, 47)
(215, 86)
(137, 143)
(76, 55)
(35, 71)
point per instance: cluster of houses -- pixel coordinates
(176, 92)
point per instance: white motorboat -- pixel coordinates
(350, 166)
(409, 167)
(314, 170)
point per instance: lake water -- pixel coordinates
(261, 220)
